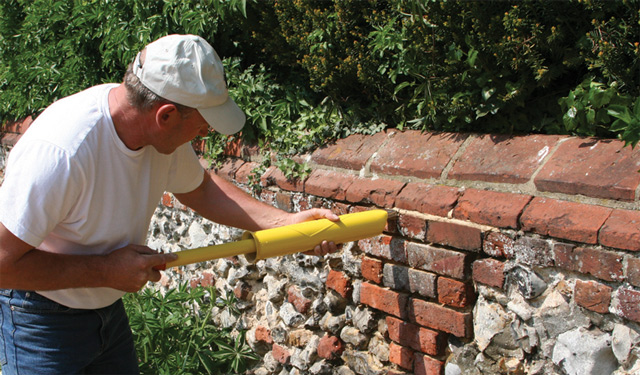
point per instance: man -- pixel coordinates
(79, 192)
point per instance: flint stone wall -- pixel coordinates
(510, 255)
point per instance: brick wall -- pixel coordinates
(471, 207)
(531, 226)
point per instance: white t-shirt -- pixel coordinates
(71, 186)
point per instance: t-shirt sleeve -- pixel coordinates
(38, 191)
(186, 173)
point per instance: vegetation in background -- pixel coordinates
(174, 334)
(310, 71)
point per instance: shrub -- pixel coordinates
(174, 334)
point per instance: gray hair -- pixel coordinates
(143, 99)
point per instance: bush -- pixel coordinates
(308, 71)
(173, 333)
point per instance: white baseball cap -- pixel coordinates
(185, 69)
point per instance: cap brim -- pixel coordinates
(226, 118)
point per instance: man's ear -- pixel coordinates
(167, 115)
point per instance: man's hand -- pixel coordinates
(130, 267)
(325, 247)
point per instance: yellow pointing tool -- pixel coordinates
(290, 239)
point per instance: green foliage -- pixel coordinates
(310, 71)
(173, 333)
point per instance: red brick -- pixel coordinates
(417, 154)
(328, 184)
(441, 261)
(383, 299)
(330, 347)
(497, 244)
(622, 230)
(380, 192)
(412, 227)
(416, 337)
(602, 264)
(627, 304)
(425, 365)
(387, 247)
(423, 283)
(285, 183)
(372, 269)
(229, 168)
(263, 335)
(298, 301)
(18, 126)
(593, 296)
(502, 158)
(352, 152)
(441, 318)
(567, 220)
(429, 199)
(489, 272)
(401, 356)
(491, 208)
(599, 169)
(632, 274)
(455, 293)
(247, 172)
(339, 282)
(281, 354)
(454, 235)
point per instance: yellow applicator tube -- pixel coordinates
(290, 239)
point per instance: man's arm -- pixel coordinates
(26, 268)
(223, 202)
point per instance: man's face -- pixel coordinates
(182, 129)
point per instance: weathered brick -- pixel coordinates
(632, 270)
(352, 152)
(380, 192)
(455, 293)
(533, 251)
(284, 201)
(401, 356)
(441, 318)
(622, 230)
(429, 199)
(497, 244)
(281, 354)
(246, 173)
(416, 337)
(593, 296)
(502, 158)
(454, 235)
(330, 347)
(602, 264)
(599, 169)
(627, 304)
(571, 221)
(229, 168)
(300, 302)
(441, 261)
(263, 335)
(383, 299)
(412, 227)
(372, 269)
(423, 283)
(290, 184)
(339, 282)
(387, 247)
(425, 365)
(242, 290)
(417, 154)
(489, 272)
(491, 208)
(396, 276)
(328, 184)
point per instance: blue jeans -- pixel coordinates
(39, 336)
